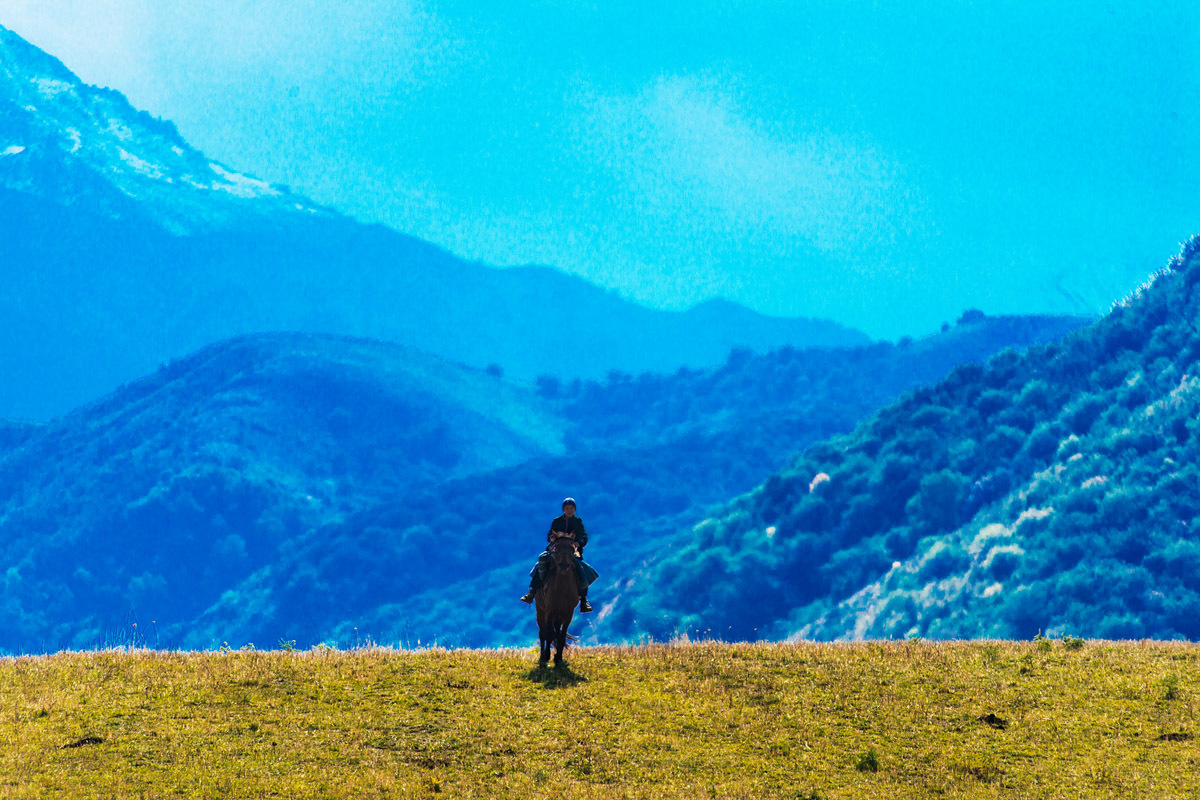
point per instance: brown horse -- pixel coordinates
(556, 600)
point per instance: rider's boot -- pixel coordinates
(584, 605)
(533, 587)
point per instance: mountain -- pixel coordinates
(296, 486)
(88, 149)
(1055, 491)
(123, 247)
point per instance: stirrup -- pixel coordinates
(584, 605)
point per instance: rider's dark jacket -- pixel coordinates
(568, 525)
(572, 526)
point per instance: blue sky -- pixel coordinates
(883, 164)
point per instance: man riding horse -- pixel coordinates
(568, 526)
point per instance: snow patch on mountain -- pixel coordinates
(119, 130)
(242, 185)
(141, 165)
(51, 88)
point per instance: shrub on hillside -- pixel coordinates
(1002, 444)
(1042, 443)
(935, 507)
(1083, 413)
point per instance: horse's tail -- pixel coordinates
(572, 637)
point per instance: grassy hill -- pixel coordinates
(1053, 490)
(1064, 719)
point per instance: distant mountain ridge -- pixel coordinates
(123, 247)
(14, 433)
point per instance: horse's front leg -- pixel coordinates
(560, 644)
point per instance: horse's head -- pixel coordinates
(562, 550)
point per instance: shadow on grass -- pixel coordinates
(560, 677)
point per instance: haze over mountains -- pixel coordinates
(123, 247)
(883, 165)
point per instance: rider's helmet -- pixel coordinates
(570, 501)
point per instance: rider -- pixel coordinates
(567, 526)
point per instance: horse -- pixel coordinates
(556, 600)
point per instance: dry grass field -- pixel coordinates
(1061, 719)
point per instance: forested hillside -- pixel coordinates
(161, 495)
(1056, 491)
(646, 456)
(297, 487)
